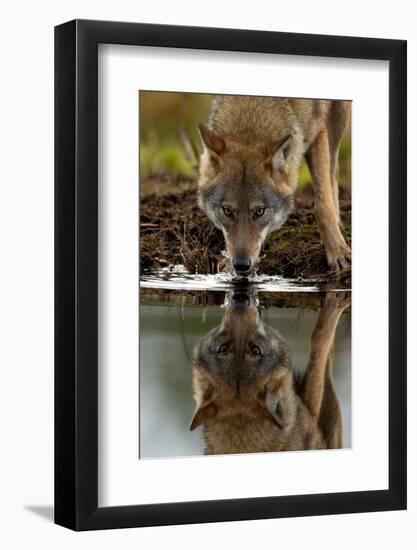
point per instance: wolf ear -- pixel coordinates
(213, 142)
(278, 154)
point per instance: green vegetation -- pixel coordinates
(169, 131)
(161, 158)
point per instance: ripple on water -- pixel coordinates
(179, 278)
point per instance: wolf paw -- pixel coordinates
(341, 260)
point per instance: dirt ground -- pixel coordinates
(173, 230)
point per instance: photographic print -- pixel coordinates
(245, 274)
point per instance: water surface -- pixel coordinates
(174, 321)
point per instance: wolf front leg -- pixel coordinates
(337, 122)
(318, 159)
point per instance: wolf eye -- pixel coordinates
(256, 350)
(227, 211)
(259, 212)
(223, 348)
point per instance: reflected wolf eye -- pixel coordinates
(223, 348)
(256, 350)
(227, 211)
(260, 212)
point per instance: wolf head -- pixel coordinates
(247, 191)
(242, 377)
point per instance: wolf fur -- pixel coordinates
(249, 169)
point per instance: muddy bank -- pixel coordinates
(173, 230)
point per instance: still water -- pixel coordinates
(180, 326)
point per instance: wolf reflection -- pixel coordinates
(248, 396)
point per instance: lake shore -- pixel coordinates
(174, 231)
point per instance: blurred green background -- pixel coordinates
(169, 131)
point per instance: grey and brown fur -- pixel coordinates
(253, 150)
(248, 399)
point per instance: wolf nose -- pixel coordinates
(241, 264)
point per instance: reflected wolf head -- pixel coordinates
(243, 383)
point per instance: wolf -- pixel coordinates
(248, 398)
(253, 148)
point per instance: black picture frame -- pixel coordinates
(76, 272)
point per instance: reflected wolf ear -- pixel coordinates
(202, 414)
(278, 154)
(214, 143)
(273, 396)
(205, 396)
